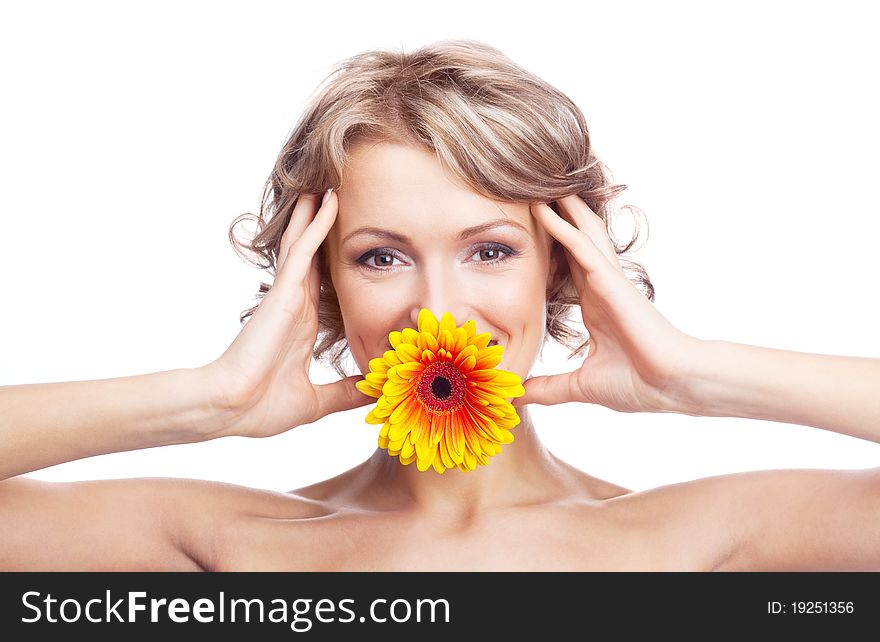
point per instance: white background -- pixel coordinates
(133, 133)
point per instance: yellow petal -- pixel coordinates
(393, 375)
(505, 378)
(477, 401)
(470, 327)
(428, 357)
(424, 464)
(391, 357)
(418, 429)
(472, 441)
(425, 450)
(449, 445)
(372, 418)
(427, 322)
(446, 339)
(395, 338)
(398, 433)
(508, 422)
(481, 340)
(407, 352)
(378, 365)
(377, 378)
(437, 425)
(459, 340)
(482, 375)
(493, 411)
(489, 357)
(393, 389)
(367, 388)
(383, 409)
(447, 322)
(428, 341)
(393, 400)
(470, 460)
(508, 392)
(438, 464)
(468, 351)
(410, 369)
(406, 461)
(457, 433)
(410, 336)
(445, 456)
(404, 412)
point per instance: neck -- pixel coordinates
(519, 473)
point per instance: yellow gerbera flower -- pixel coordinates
(441, 401)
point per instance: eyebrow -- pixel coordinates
(464, 234)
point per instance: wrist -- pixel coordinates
(685, 388)
(217, 412)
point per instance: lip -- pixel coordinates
(492, 342)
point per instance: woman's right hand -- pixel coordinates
(262, 379)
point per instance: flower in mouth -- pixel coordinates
(441, 400)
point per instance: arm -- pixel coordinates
(109, 524)
(639, 362)
(46, 424)
(259, 387)
(726, 379)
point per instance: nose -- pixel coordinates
(439, 292)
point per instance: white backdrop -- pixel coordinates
(132, 134)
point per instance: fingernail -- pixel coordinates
(326, 196)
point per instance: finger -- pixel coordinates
(301, 255)
(341, 395)
(576, 271)
(585, 219)
(303, 213)
(547, 390)
(580, 245)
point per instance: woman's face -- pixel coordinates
(408, 236)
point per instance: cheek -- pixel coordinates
(365, 315)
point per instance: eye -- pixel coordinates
(378, 259)
(489, 253)
(384, 260)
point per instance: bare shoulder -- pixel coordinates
(785, 519)
(126, 524)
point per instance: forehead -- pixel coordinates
(400, 186)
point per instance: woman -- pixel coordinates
(463, 184)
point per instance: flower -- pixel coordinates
(441, 401)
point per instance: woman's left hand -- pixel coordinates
(637, 360)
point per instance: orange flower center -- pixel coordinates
(442, 387)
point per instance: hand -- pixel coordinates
(264, 375)
(636, 359)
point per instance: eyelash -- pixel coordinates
(508, 253)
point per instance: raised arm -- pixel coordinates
(50, 423)
(639, 362)
(258, 387)
(727, 379)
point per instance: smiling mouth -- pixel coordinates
(493, 342)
